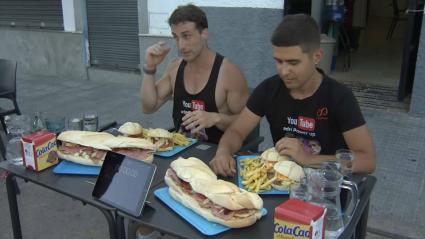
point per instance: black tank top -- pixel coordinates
(204, 100)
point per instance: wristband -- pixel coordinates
(147, 71)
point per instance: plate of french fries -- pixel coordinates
(254, 177)
(181, 142)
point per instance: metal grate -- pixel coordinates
(113, 34)
(42, 14)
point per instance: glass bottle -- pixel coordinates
(38, 123)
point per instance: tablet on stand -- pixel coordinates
(124, 183)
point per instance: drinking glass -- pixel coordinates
(55, 123)
(90, 122)
(75, 123)
(345, 158)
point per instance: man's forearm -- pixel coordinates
(225, 120)
(148, 93)
(364, 162)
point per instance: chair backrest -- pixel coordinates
(252, 141)
(7, 76)
(3, 142)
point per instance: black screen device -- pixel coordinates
(124, 183)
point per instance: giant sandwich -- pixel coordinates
(83, 147)
(193, 184)
(287, 173)
(132, 129)
(137, 148)
(161, 138)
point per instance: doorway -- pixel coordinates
(376, 62)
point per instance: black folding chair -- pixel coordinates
(395, 19)
(8, 88)
(252, 141)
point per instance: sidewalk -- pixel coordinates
(396, 210)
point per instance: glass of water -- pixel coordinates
(345, 158)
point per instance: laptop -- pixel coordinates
(124, 183)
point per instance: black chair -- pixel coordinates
(395, 19)
(8, 88)
(3, 142)
(252, 141)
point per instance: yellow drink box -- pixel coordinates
(296, 219)
(39, 150)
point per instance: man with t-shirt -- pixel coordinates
(208, 90)
(310, 115)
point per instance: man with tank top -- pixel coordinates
(208, 90)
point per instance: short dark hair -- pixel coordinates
(189, 13)
(297, 30)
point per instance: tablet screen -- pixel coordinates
(124, 183)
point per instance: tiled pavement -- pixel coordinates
(397, 208)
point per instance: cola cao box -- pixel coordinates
(39, 150)
(296, 219)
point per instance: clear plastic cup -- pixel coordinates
(345, 158)
(55, 123)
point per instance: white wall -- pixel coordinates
(160, 10)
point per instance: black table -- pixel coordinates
(166, 220)
(77, 187)
(161, 217)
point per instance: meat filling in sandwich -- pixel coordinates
(197, 188)
(161, 138)
(83, 147)
(137, 148)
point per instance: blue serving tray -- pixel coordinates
(176, 149)
(67, 167)
(269, 192)
(201, 224)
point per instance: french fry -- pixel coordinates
(248, 161)
(269, 182)
(246, 182)
(254, 175)
(251, 187)
(251, 173)
(180, 139)
(259, 182)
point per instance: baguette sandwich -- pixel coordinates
(270, 157)
(132, 129)
(161, 138)
(287, 173)
(137, 148)
(194, 185)
(83, 147)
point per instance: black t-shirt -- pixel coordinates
(318, 120)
